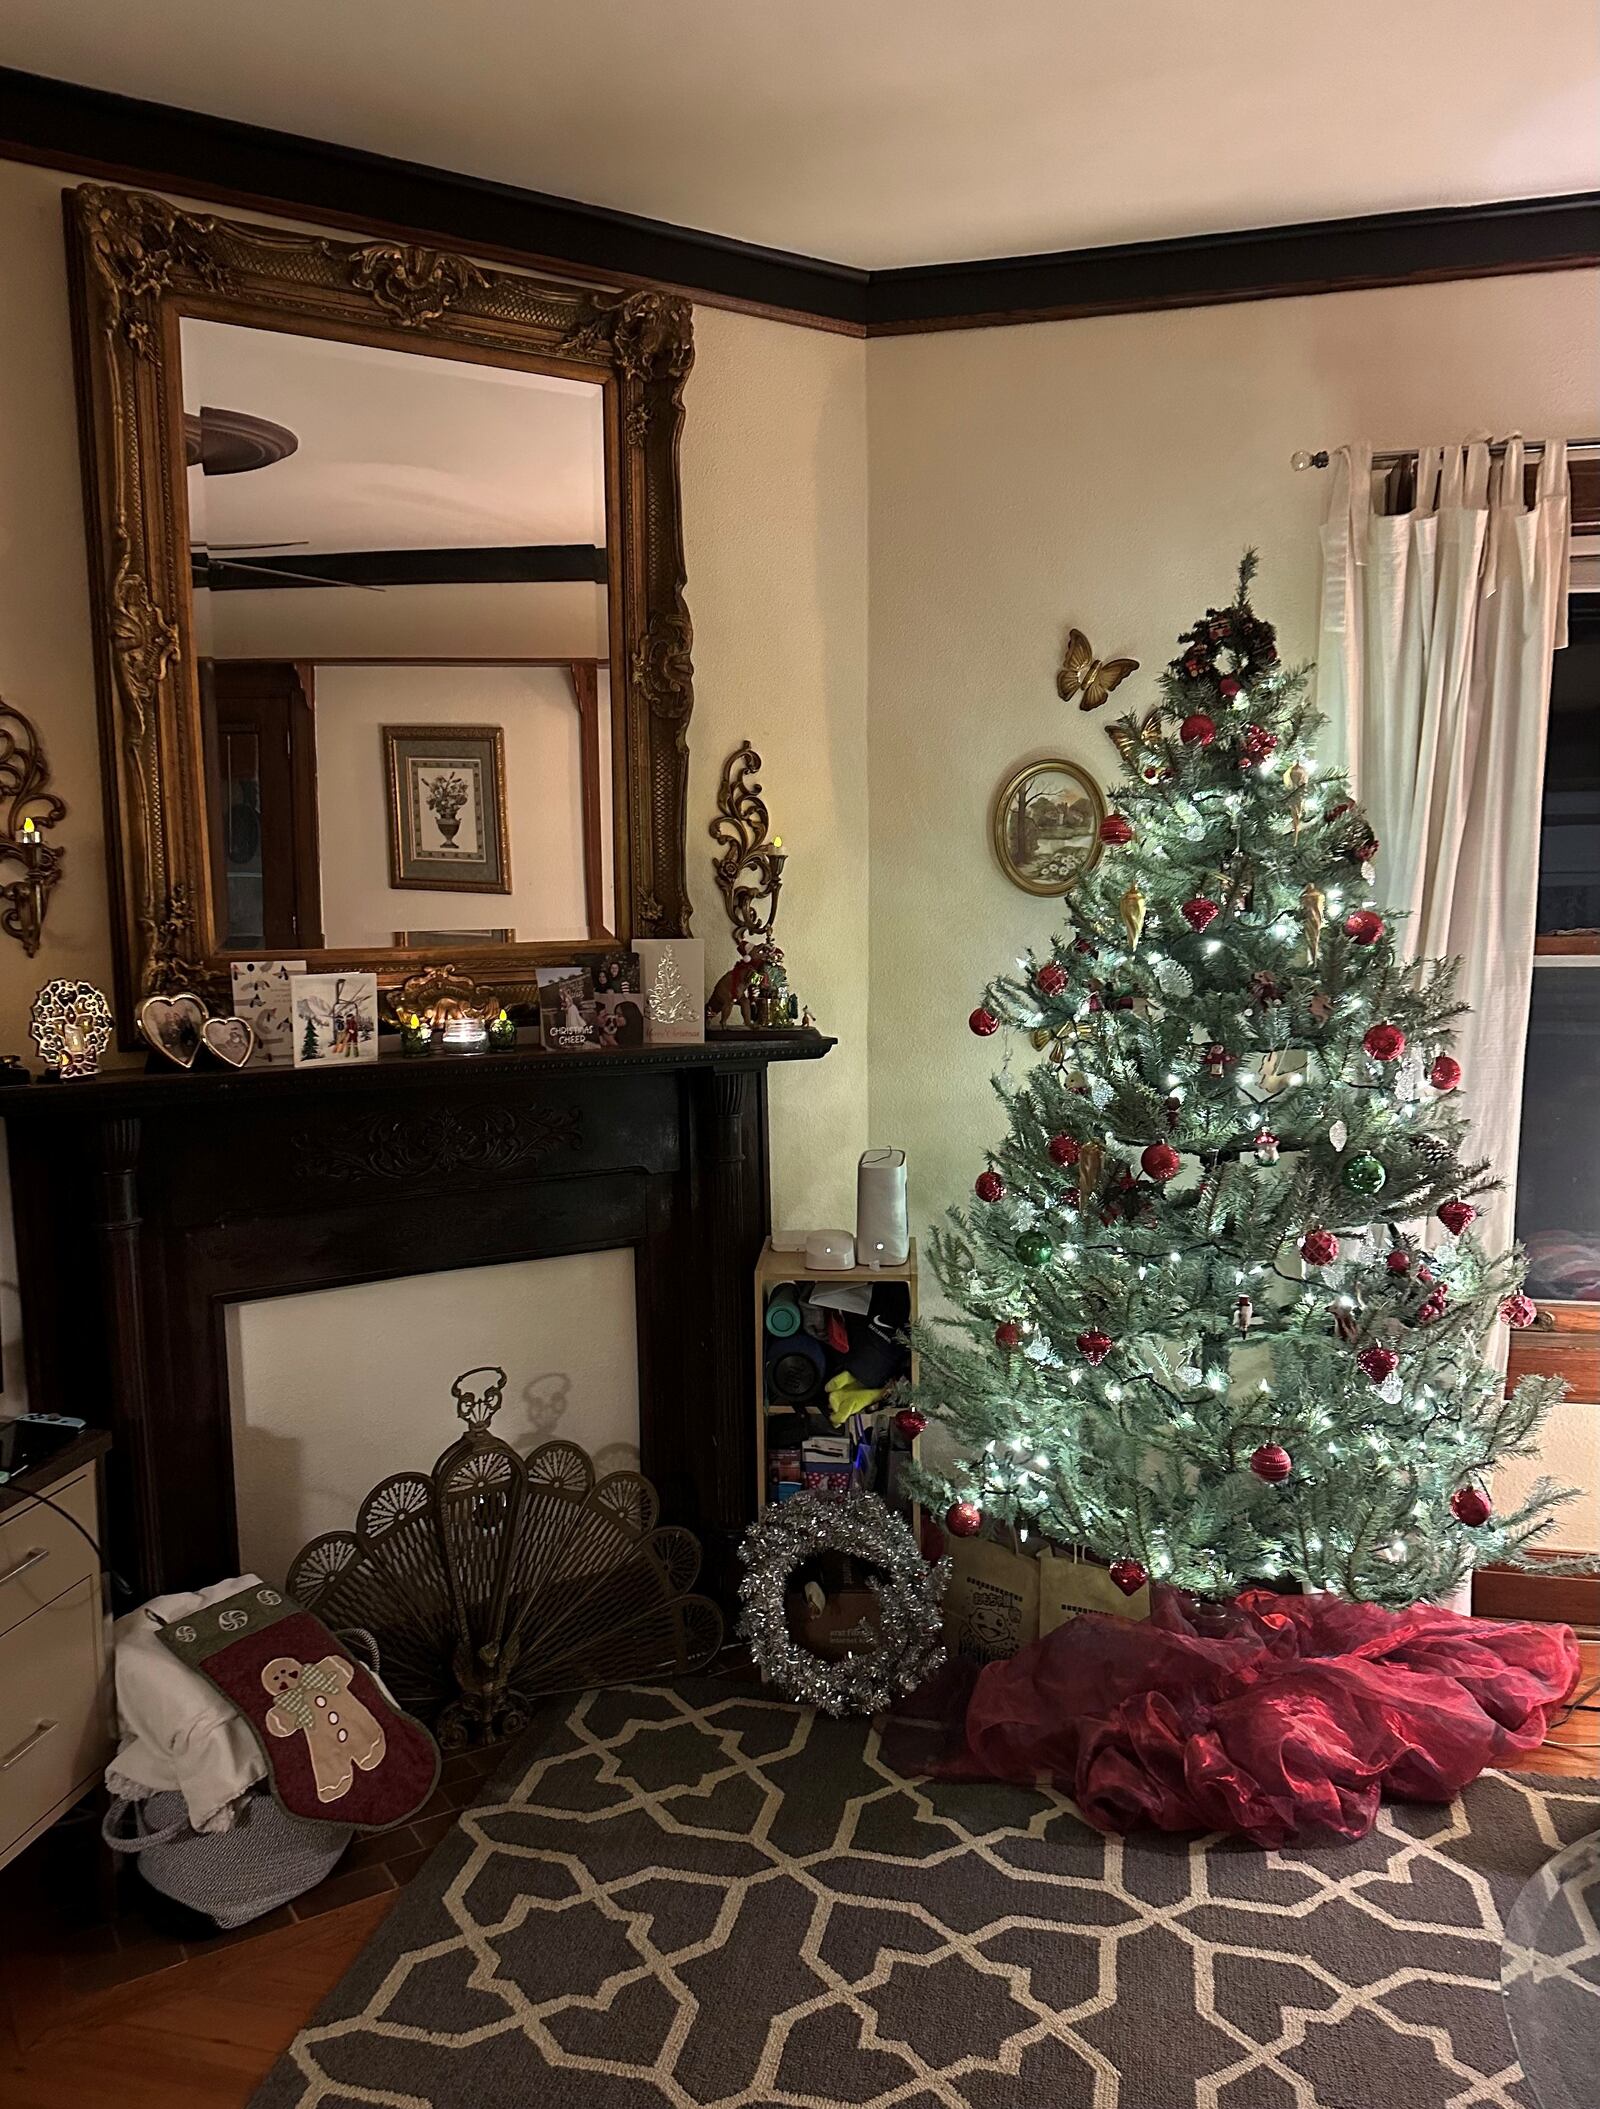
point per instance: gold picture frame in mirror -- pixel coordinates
(146, 276)
(1046, 826)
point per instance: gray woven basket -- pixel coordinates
(232, 1876)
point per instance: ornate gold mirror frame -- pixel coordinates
(139, 264)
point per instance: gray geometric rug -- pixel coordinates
(679, 1898)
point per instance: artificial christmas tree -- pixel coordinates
(1190, 1346)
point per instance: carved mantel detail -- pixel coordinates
(438, 1143)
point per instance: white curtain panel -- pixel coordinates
(1438, 629)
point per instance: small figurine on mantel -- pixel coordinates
(749, 874)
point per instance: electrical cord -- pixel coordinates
(122, 1587)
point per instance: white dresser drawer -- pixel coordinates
(52, 1713)
(41, 1555)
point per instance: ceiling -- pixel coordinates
(880, 133)
(397, 451)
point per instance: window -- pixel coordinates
(1558, 1173)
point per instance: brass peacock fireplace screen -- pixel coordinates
(499, 1579)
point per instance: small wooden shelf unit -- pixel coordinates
(772, 1270)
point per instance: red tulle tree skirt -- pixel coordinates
(1277, 1718)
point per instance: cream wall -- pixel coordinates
(1108, 473)
(775, 514)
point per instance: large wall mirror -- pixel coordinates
(389, 582)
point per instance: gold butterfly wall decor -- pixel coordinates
(1095, 677)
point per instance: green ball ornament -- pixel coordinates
(1365, 1175)
(1034, 1248)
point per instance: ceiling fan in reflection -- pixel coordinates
(235, 443)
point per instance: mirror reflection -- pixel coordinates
(400, 607)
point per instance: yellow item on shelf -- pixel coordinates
(846, 1396)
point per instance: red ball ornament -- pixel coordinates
(1385, 1043)
(1319, 1248)
(1398, 1262)
(1366, 850)
(1128, 1576)
(1082, 944)
(1094, 1346)
(1519, 1311)
(989, 1186)
(1229, 685)
(1197, 730)
(1445, 1073)
(1272, 1463)
(910, 1423)
(964, 1519)
(1363, 927)
(1431, 1312)
(1160, 1161)
(983, 1022)
(1051, 979)
(1257, 745)
(1456, 1215)
(1115, 829)
(1063, 1149)
(1471, 1506)
(1200, 912)
(1379, 1363)
(1008, 1334)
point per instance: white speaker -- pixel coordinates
(882, 1238)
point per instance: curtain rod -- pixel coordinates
(1532, 449)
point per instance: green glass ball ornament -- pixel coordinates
(1034, 1248)
(1365, 1175)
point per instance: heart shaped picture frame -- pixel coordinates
(174, 1026)
(230, 1039)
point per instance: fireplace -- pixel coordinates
(148, 1204)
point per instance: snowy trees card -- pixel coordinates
(335, 1018)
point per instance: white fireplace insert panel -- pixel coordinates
(332, 1390)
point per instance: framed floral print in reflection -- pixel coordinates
(447, 808)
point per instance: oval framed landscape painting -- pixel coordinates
(1047, 826)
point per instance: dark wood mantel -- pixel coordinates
(146, 1203)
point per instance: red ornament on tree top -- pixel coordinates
(989, 1186)
(1116, 829)
(1445, 1074)
(1385, 1043)
(1363, 927)
(983, 1022)
(1160, 1161)
(1319, 1248)
(1272, 1463)
(964, 1519)
(1229, 685)
(1064, 1149)
(1456, 1215)
(1471, 1506)
(1128, 1575)
(1051, 978)
(1519, 1310)
(1197, 730)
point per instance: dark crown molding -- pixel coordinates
(89, 131)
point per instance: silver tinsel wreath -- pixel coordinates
(907, 1588)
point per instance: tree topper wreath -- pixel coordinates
(907, 1588)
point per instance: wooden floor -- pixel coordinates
(204, 2035)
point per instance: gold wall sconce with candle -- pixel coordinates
(749, 876)
(28, 808)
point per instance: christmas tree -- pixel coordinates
(1224, 1318)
